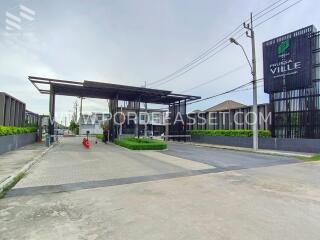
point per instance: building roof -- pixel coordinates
(108, 91)
(198, 111)
(226, 105)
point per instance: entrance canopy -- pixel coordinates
(114, 92)
(108, 91)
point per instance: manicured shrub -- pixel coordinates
(8, 130)
(141, 144)
(229, 133)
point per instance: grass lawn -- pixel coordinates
(315, 157)
(141, 144)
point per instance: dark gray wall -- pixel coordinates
(12, 142)
(12, 111)
(282, 144)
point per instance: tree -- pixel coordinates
(74, 127)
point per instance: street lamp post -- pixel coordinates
(252, 65)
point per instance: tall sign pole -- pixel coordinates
(250, 34)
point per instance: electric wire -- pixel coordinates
(200, 59)
(223, 93)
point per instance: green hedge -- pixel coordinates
(7, 130)
(228, 133)
(99, 136)
(141, 144)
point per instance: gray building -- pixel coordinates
(12, 111)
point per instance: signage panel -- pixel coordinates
(287, 61)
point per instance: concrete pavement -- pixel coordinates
(112, 193)
(14, 164)
(11, 162)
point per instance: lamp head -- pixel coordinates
(232, 40)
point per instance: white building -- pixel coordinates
(153, 120)
(92, 123)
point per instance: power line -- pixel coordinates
(216, 78)
(192, 67)
(199, 60)
(220, 94)
(214, 47)
(256, 26)
(280, 3)
(276, 14)
(239, 88)
(249, 88)
(226, 92)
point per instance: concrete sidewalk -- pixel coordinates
(14, 164)
(261, 151)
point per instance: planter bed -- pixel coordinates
(141, 144)
(12, 142)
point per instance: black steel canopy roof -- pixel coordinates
(108, 91)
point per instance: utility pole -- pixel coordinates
(250, 34)
(75, 106)
(120, 130)
(81, 98)
(147, 115)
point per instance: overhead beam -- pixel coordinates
(109, 91)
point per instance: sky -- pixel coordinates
(133, 41)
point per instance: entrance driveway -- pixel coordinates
(226, 159)
(185, 192)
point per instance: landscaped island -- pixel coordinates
(141, 144)
(12, 138)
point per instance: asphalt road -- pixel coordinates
(227, 159)
(186, 192)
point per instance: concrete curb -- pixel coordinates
(265, 152)
(11, 181)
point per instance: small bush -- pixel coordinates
(229, 133)
(8, 130)
(141, 144)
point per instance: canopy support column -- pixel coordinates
(52, 101)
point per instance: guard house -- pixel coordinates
(114, 92)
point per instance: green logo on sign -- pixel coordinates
(283, 47)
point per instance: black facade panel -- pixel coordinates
(287, 61)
